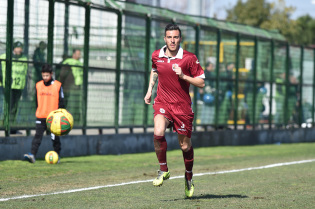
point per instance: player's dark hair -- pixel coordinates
(42, 43)
(46, 68)
(172, 26)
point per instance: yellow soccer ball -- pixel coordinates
(51, 157)
(59, 122)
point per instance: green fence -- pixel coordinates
(254, 78)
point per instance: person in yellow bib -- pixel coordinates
(71, 75)
(19, 72)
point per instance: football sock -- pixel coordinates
(189, 162)
(160, 146)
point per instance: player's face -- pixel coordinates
(172, 39)
(17, 50)
(77, 55)
(46, 76)
(42, 46)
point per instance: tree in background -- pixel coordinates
(306, 33)
(274, 16)
(252, 12)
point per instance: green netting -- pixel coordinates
(308, 66)
(295, 64)
(227, 76)
(294, 80)
(131, 101)
(206, 96)
(307, 90)
(133, 52)
(263, 61)
(178, 17)
(3, 31)
(264, 87)
(101, 98)
(246, 87)
(103, 38)
(280, 84)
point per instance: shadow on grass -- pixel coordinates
(69, 161)
(211, 196)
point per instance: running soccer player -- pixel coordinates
(176, 69)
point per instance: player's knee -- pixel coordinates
(185, 147)
(159, 131)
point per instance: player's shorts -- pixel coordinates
(179, 121)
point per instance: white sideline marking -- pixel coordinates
(145, 181)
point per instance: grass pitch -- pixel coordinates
(288, 186)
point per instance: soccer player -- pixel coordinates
(49, 97)
(176, 69)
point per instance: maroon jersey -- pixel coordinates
(171, 89)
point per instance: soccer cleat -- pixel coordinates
(29, 157)
(162, 175)
(189, 188)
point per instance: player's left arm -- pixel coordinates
(198, 82)
(197, 73)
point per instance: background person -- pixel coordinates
(49, 97)
(19, 72)
(39, 58)
(71, 75)
(176, 70)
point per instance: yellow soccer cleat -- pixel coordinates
(189, 188)
(162, 175)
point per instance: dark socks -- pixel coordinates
(160, 146)
(189, 162)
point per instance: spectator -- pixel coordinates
(39, 58)
(71, 75)
(19, 72)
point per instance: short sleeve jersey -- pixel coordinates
(172, 89)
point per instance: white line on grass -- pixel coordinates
(145, 181)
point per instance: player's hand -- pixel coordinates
(178, 71)
(147, 98)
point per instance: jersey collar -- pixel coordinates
(179, 54)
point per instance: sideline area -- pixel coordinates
(175, 177)
(13, 148)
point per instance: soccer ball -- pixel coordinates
(59, 122)
(51, 157)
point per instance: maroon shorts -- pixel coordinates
(180, 121)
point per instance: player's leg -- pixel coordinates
(160, 146)
(188, 155)
(37, 140)
(56, 144)
(15, 100)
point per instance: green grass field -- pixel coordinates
(287, 186)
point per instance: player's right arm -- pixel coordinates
(153, 79)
